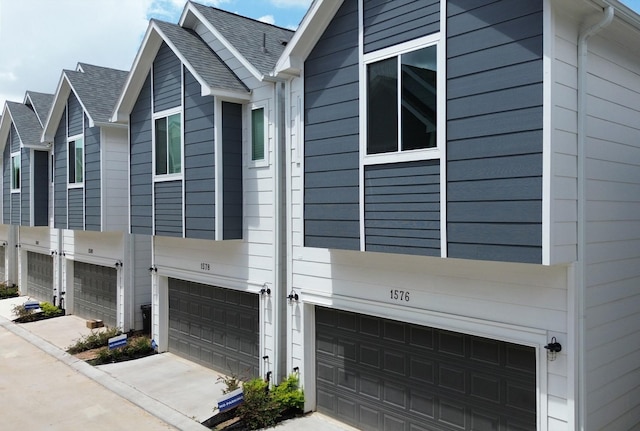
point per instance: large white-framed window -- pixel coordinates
(75, 161)
(15, 172)
(259, 135)
(167, 144)
(401, 107)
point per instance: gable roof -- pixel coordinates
(214, 76)
(95, 87)
(256, 44)
(26, 123)
(41, 104)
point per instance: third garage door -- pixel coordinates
(380, 374)
(215, 327)
(95, 291)
(40, 276)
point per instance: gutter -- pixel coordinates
(583, 54)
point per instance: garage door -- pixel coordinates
(3, 274)
(215, 327)
(40, 276)
(379, 374)
(95, 291)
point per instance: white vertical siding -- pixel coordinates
(115, 183)
(612, 291)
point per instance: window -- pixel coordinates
(168, 145)
(257, 134)
(408, 82)
(15, 172)
(76, 164)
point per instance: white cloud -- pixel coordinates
(291, 3)
(268, 19)
(42, 37)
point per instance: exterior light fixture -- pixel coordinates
(293, 296)
(553, 348)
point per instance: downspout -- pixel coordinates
(583, 53)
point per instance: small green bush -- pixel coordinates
(8, 291)
(134, 349)
(49, 310)
(94, 340)
(22, 314)
(263, 408)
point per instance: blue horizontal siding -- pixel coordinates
(332, 136)
(388, 23)
(167, 80)
(60, 174)
(76, 208)
(15, 208)
(92, 179)
(494, 130)
(76, 115)
(140, 159)
(402, 208)
(168, 208)
(6, 182)
(25, 187)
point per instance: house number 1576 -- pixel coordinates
(399, 295)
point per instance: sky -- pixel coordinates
(39, 38)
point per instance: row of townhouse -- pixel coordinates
(428, 209)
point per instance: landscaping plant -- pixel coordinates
(94, 340)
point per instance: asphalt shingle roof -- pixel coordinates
(41, 104)
(26, 123)
(204, 61)
(248, 36)
(97, 88)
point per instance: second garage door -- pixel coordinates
(40, 276)
(215, 327)
(380, 374)
(95, 291)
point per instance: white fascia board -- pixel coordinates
(189, 8)
(5, 126)
(137, 75)
(27, 99)
(109, 124)
(306, 36)
(225, 94)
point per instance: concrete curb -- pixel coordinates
(150, 405)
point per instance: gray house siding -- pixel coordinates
(494, 130)
(25, 186)
(40, 188)
(167, 81)
(92, 176)
(15, 140)
(389, 23)
(76, 114)
(60, 174)
(15, 208)
(331, 195)
(199, 158)
(140, 159)
(232, 173)
(6, 183)
(168, 206)
(76, 213)
(402, 208)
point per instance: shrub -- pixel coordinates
(263, 408)
(8, 291)
(22, 314)
(49, 310)
(136, 348)
(94, 340)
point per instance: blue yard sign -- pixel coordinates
(231, 400)
(31, 305)
(119, 341)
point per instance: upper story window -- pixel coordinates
(15, 172)
(76, 161)
(168, 144)
(257, 134)
(402, 101)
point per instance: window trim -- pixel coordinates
(13, 178)
(75, 184)
(399, 156)
(264, 105)
(168, 176)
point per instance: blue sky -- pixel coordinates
(36, 34)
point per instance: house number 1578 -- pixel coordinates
(399, 295)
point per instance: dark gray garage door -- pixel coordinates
(40, 276)
(3, 274)
(215, 327)
(379, 374)
(95, 290)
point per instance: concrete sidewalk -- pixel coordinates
(179, 392)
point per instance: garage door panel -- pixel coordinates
(221, 325)
(379, 376)
(39, 276)
(95, 290)
(3, 273)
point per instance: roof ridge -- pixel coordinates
(242, 16)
